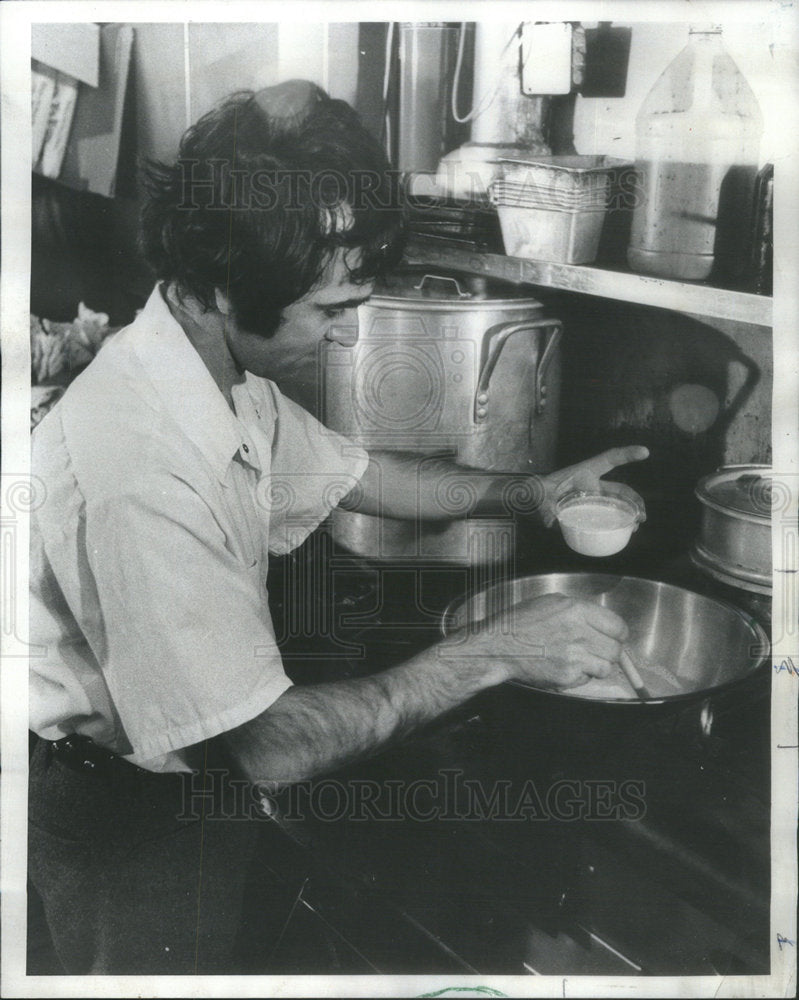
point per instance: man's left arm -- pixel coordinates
(434, 487)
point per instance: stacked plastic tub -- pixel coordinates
(551, 208)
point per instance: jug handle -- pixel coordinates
(497, 342)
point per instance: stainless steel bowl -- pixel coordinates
(707, 644)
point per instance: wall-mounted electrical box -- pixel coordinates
(552, 57)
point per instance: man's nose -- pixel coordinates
(345, 331)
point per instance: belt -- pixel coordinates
(81, 753)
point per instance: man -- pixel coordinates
(173, 467)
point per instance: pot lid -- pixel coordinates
(743, 489)
(450, 288)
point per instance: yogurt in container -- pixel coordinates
(596, 524)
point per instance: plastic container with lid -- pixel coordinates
(697, 145)
(597, 524)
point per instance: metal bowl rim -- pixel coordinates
(759, 633)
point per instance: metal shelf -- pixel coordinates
(679, 296)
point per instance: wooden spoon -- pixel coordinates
(631, 673)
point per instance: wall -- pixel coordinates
(181, 71)
(159, 88)
(628, 358)
(84, 246)
(607, 125)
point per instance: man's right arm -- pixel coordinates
(552, 641)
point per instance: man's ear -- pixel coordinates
(222, 302)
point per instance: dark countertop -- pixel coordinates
(673, 875)
(515, 836)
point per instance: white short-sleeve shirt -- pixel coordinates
(149, 552)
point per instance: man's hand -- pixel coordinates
(587, 475)
(552, 641)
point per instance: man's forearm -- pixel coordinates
(317, 728)
(430, 488)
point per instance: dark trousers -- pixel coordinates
(131, 881)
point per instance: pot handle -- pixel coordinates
(443, 277)
(497, 342)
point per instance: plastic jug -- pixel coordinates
(698, 139)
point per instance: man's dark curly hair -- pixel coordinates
(257, 203)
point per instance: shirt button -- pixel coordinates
(246, 449)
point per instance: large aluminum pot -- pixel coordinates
(734, 543)
(446, 365)
(684, 643)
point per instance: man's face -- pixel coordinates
(328, 313)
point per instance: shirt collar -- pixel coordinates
(186, 387)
